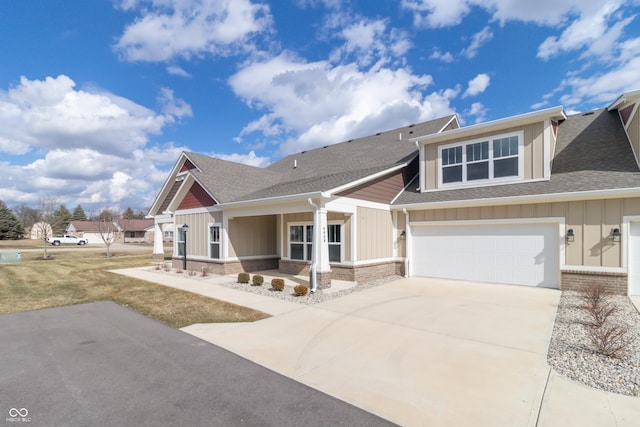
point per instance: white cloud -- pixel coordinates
(177, 71)
(445, 57)
(478, 111)
(51, 113)
(316, 103)
(168, 29)
(173, 107)
(445, 13)
(248, 159)
(477, 85)
(477, 41)
(591, 31)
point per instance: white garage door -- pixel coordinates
(634, 258)
(519, 254)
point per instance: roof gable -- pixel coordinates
(196, 197)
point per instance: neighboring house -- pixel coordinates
(40, 231)
(539, 199)
(128, 230)
(136, 230)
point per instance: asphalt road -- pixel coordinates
(102, 364)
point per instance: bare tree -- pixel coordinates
(46, 221)
(109, 227)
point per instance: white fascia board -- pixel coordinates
(170, 180)
(370, 177)
(453, 119)
(350, 205)
(536, 198)
(495, 125)
(623, 99)
(191, 160)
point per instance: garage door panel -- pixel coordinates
(522, 254)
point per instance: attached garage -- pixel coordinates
(634, 258)
(520, 254)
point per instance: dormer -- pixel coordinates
(506, 151)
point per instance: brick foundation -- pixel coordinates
(368, 272)
(323, 279)
(231, 267)
(578, 280)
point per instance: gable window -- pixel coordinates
(214, 241)
(482, 160)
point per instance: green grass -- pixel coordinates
(77, 277)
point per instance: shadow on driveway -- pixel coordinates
(103, 364)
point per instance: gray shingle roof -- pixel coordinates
(320, 169)
(592, 153)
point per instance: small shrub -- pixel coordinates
(300, 290)
(258, 280)
(244, 277)
(594, 294)
(601, 312)
(610, 339)
(277, 284)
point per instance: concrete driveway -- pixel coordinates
(429, 352)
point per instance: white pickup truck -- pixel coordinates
(68, 239)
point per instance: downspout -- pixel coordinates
(407, 242)
(315, 242)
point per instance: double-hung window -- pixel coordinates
(181, 240)
(300, 242)
(214, 241)
(335, 243)
(496, 158)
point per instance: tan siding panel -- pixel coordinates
(611, 252)
(198, 234)
(575, 221)
(375, 234)
(634, 133)
(253, 236)
(431, 166)
(537, 159)
(593, 232)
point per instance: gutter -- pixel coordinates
(272, 200)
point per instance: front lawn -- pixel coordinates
(77, 277)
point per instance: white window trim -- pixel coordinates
(219, 225)
(304, 224)
(304, 242)
(177, 241)
(491, 159)
(341, 244)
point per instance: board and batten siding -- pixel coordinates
(375, 234)
(198, 234)
(533, 152)
(252, 236)
(591, 220)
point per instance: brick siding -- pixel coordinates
(578, 280)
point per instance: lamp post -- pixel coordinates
(185, 228)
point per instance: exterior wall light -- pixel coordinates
(570, 235)
(403, 234)
(616, 235)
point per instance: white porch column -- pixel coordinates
(158, 246)
(321, 249)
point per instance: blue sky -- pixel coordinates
(98, 98)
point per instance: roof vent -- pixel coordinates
(399, 136)
(351, 140)
(410, 132)
(295, 163)
(303, 152)
(411, 125)
(378, 133)
(588, 114)
(325, 146)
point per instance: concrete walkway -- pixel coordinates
(425, 352)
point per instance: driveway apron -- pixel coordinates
(416, 351)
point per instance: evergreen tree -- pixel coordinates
(129, 214)
(61, 219)
(10, 226)
(78, 214)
